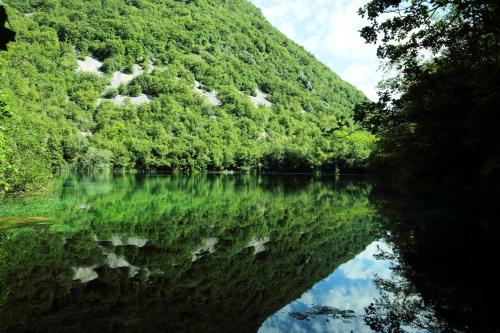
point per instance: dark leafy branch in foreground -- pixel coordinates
(437, 118)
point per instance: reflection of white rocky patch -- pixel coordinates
(149, 273)
(207, 246)
(136, 241)
(85, 274)
(133, 271)
(122, 100)
(90, 65)
(260, 99)
(211, 96)
(118, 240)
(258, 244)
(116, 261)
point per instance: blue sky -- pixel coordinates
(329, 30)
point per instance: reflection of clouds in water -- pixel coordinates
(273, 330)
(364, 266)
(344, 297)
(349, 287)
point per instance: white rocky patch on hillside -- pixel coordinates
(121, 100)
(262, 136)
(85, 134)
(260, 99)
(90, 65)
(210, 95)
(120, 77)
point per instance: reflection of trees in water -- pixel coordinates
(442, 275)
(400, 305)
(311, 230)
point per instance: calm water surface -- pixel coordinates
(210, 253)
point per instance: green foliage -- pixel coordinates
(22, 168)
(96, 160)
(4, 163)
(437, 118)
(228, 46)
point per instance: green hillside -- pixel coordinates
(218, 88)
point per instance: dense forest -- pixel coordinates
(219, 89)
(437, 118)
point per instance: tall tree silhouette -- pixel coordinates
(6, 35)
(437, 119)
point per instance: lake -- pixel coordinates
(242, 253)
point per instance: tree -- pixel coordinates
(6, 35)
(4, 162)
(436, 118)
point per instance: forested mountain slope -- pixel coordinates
(212, 86)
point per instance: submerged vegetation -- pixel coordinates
(61, 116)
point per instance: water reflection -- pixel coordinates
(337, 303)
(432, 273)
(243, 254)
(176, 254)
(443, 279)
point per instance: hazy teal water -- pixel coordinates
(203, 253)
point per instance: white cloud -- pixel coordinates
(364, 266)
(362, 76)
(329, 30)
(289, 30)
(312, 43)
